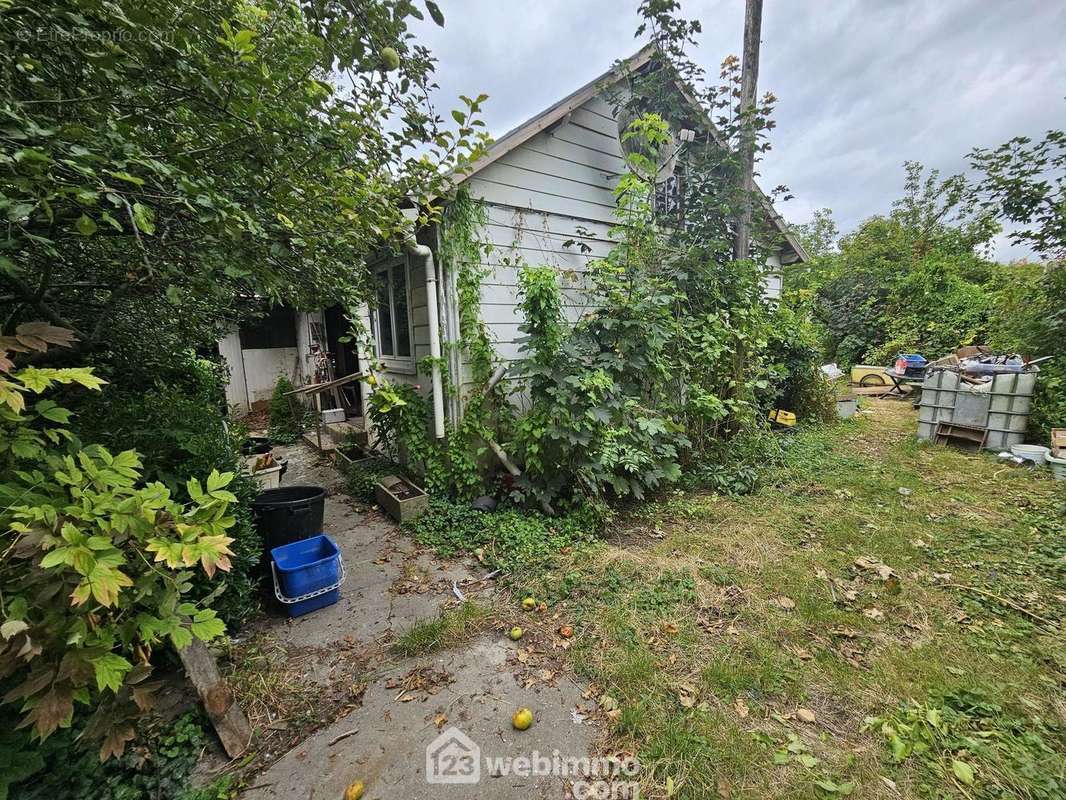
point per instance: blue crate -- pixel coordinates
(307, 574)
(911, 365)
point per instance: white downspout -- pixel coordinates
(423, 253)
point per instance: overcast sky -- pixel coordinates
(862, 85)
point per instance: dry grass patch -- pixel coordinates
(719, 619)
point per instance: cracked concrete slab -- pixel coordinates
(392, 584)
(389, 752)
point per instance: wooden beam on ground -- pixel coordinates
(229, 720)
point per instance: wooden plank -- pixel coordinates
(527, 159)
(587, 140)
(568, 153)
(539, 201)
(547, 222)
(228, 718)
(560, 236)
(579, 184)
(600, 105)
(586, 118)
(570, 268)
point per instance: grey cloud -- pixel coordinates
(862, 85)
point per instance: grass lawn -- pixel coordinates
(884, 619)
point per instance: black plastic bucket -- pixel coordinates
(289, 514)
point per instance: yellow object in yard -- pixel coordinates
(868, 375)
(782, 417)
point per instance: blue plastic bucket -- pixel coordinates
(307, 574)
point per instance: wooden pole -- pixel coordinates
(749, 79)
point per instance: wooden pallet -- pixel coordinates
(969, 437)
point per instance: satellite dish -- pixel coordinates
(665, 159)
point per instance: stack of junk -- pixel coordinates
(261, 462)
(304, 564)
(979, 399)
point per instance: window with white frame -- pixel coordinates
(392, 317)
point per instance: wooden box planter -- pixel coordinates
(346, 455)
(401, 499)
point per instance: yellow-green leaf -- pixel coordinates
(963, 771)
(110, 669)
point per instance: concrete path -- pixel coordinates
(451, 703)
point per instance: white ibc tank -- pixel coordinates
(1002, 408)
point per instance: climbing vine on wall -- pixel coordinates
(463, 251)
(449, 467)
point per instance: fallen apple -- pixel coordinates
(522, 719)
(516, 633)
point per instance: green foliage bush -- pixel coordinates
(157, 767)
(286, 424)
(671, 358)
(911, 281)
(361, 478)
(448, 468)
(97, 564)
(1030, 318)
(519, 542)
(918, 281)
(738, 467)
(794, 353)
(177, 424)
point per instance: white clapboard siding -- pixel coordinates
(590, 186)
(559, 148)
(548, 201)
(544, 200)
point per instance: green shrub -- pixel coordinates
(793, 350)
(98, 567)
(157, 767)
(1030, 318)
(178, 426)
(286, 425)
(738, 466)
(361, 478)
(515, 541)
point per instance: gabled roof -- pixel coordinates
(557, 112)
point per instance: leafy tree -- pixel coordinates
(911, 280)
(1025, 182)
(672, 356)
(819, 236)
(286, 425)
(162, 161)
(166, 167)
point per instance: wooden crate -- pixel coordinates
(1058, 442)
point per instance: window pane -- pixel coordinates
(399, 298)
(384, 315)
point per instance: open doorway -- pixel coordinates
(345, 357)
